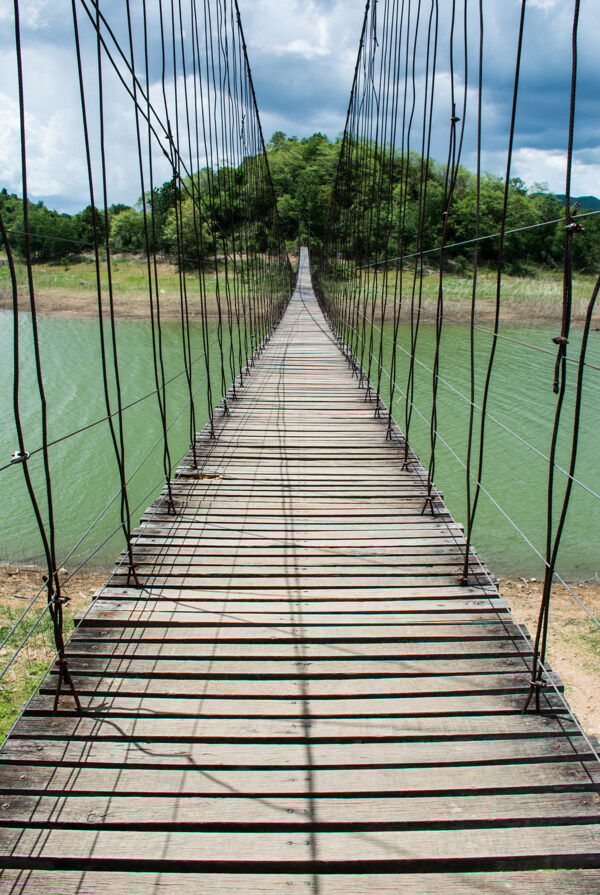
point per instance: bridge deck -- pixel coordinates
(302, 696)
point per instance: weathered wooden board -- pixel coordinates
(229, 730)
(561, 882)
(453, 781)
(245, 813)
(406, 850)
(141, 704)
(116, 642)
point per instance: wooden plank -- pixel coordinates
(216, 755)
(394, 812)
(302, 565)
(152, 626)
(141, 703)
(549, 847)
(559, 882)
(184, 781)
(297, 614)
(490, 608)
(317, 688)
(299, 728)
(293, 668)
(172, 526)
(437, 586)
(188, 626)
(147, 545)
(90, 642)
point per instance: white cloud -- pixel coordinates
(55, 164)
(546, 165)
(10, 162)
(544, 4)
(306, 28)
(32, 13)
(303, 48)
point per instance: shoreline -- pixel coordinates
(134, 307)
(573, 643)
(69, 290)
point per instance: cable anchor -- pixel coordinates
(20, 457)
(428, 503)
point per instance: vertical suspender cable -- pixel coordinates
(54, 596)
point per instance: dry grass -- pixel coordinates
(18, 587)
(70, 290)
(531, 300)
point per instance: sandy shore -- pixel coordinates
(128, 306)
(573, 639)
(134, 306)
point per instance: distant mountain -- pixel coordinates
(586, 203)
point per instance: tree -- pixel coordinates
(160, 202)
(303, 173)
(186, 235)
(89, 225)
(127, 230)
(51, 235)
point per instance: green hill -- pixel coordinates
(586, 203)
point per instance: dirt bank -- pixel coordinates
(573, 639)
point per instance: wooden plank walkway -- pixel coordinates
(302, 697)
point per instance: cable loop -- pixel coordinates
(20, 457)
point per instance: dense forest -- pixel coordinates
(304, 173)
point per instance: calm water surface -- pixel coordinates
(84, 469)
(84, 474)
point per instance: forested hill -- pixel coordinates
(304, 172)
(589, 203)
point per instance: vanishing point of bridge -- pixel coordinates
(302, 696)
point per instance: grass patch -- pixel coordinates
(17, 589)
(591, 637)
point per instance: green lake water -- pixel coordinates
(84, 470)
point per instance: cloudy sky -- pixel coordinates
(302, 54)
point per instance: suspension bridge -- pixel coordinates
(300, 686)
(300, 674)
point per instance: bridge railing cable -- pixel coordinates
(23, 622)
(420, 80)
(197, 147)
(453, 451)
